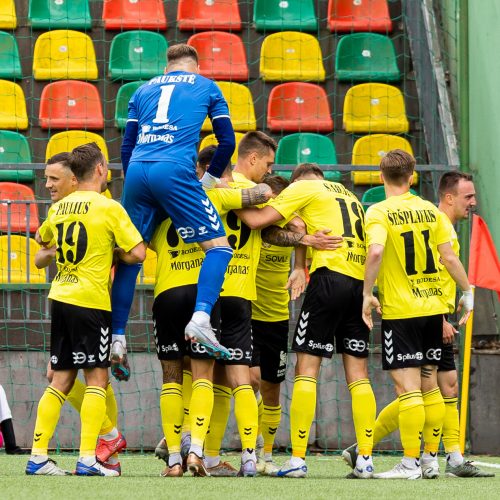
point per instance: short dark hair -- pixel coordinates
(306, 168)
(276, 182)
(205, 156)
(181, 51)
(397, 166)
(449, 182)
(83, 160)
(62, 158)
(258, 142)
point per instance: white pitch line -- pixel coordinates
(486, 464)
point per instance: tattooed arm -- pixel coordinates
(255, 195)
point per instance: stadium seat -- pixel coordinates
(211, 140)
(241, 110)
(377, 194)
(375, 107)
(282, 15)
(17, 255)
(147, 276)
(137, 55)
(134, 14)
(208, 15)
(221, 55)
(306, 147)
(12, 106)
(8, 18)
(16, 217)
(10, 63)
(298, 107)
(366, 57)
(123, 96)
(64, 54)
(14, 148)
(291, 55)
(70, 104)
(369, 150)
(59, 14)
(66, 141)
(359, 15)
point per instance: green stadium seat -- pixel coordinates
(14, 148)
(137, 55)
(10, 63)
(59, 14)
(377, 194)
(122, 99)
(366, 57)
(282, 15)
(306, 147)
(134, 14)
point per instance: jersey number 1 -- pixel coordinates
(409, 241)
(163, 104)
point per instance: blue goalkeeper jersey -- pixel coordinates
(170, 110)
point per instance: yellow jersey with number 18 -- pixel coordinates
(410, 229)
(86, 226)
(449, 286)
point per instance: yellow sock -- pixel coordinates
(218, 420)
(260, 412)
(364, 410)
(111, 405)
(387, 422)
(49, 409)
(302, 410)
(271, 418)
(187, 389)
(172, 415)
(451, 426)
(434, 416)
(202, 403)
(411, 422)
(246, 414)
(92, 415)
(75, 396)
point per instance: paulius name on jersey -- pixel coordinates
(73, 207)
(411, 217)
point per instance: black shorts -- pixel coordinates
(80, 337)
(236, 330)
(270, 348)
(332, 312)
(447, 363)
(172, 311)
(412, 342)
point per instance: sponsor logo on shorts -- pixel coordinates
(91, 358)
(54, 360)
(389, 348)
(170, 347)
(302, 328)
(186, 232)
(323, 347)
(202, 230)
(198, 348)
(79, 358)
(355, 345)
(283, 358)
(405, 357)
(433, 354)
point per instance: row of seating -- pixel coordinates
(268, 15)
(292, 107)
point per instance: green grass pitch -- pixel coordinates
(141, 481)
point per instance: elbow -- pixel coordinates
(138, 254)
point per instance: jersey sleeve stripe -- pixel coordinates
(220, 116)
(132, 120)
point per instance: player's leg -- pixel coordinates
(6, 427)
(187, 388)
(255, 382)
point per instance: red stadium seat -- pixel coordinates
(71, 104)
(359, 15)
(221, 55)
(298, 107)
(208, 15)
(134, 14)
(21, 217)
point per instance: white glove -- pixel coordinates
(208, 181)
(467, 301)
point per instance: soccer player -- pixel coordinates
(60, 181)
(457, 197)
(7, 434)
(159, 155)
(86, 227)
(331, 309)
(405, 237)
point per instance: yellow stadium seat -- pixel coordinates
(211, 140)
(241, 110)
(8, 19)
(12, 106)
(66, 141)
(147, 276)
(370, 150)
(64, 54)
(17, 255)
(375, 107)
(291, 56)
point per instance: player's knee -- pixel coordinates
(172, 371)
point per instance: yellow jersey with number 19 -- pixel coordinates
(449, 286)
(86, 226)
(410, 229)
(323, 205)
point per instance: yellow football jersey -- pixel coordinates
(178, 262)
(449, 286)
(86, 226)
(323, 204)
(410, 229)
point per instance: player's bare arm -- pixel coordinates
(44, 256)
(449, 332)
(134, 256)
(256, 195)
(297, 280)
(370, 302)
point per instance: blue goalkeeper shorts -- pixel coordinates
(156, 190)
